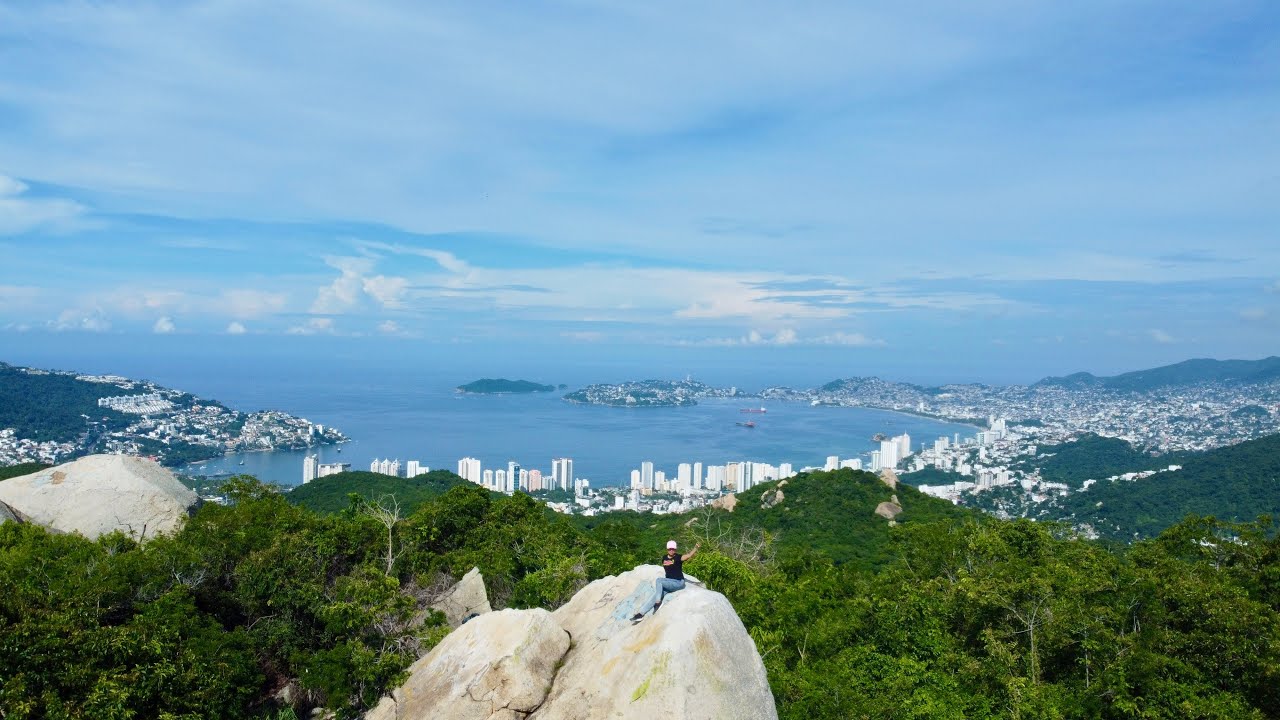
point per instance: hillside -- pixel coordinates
(832, 513)
(1090, 457)
(46, 406)
(330, 494)
(1234, 483)
(1187, 372)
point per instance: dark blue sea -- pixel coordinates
(408, 410)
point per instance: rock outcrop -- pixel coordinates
(98, 494)
(771, 498)
(693, 659)
(727, 501)
(888, 510)
(890, 478)
(496, 667)
(465, 599)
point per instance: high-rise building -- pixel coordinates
(697, 476)
(414, 468)
(904, 445)
(635, 480)
(513, 476)
(660, 481)
(535, 480)
(486, 479)
(833, 462)
(785, 471)
(500, 480)
(715, 478)
(684, 476)
(469, 469)
(308, 469)
(733, 477)
(646, 475)
(523, 481)
(562, 473)
(327, 469)
(888, 453)
(875, 461)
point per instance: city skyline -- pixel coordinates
(940, 193)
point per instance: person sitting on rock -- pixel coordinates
(672, 563)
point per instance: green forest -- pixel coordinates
(1237, 482)
(943, 614)
(53, 406)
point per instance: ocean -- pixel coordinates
(408, 410)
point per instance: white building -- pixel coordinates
(308, 469)
(469, 469)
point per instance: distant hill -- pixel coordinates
(828, 512)
(1188, 372)
(329, 494)
(1237, 483)
(1091, 457)
(501, 386)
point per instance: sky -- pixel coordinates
(988, 191)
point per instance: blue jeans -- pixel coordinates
(661, 588)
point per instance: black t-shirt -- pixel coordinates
(672, 566)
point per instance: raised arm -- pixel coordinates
(691, 553)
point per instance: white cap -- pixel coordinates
(671, 544)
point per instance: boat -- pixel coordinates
(753, 410)
(241, 462)
(879, 437)
(747, 424)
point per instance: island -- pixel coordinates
(53, 416)
(503, 386)
(649, 393)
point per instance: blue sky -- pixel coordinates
(989, 190)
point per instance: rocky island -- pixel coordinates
(53, 416)
(503, 386)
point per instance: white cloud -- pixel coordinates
(583, 336)
(164, 326)
(19, 213)
(1160, 336)
(389, 327)
(247, 303)
(314, 326)
(850, 339)
(1254, 313)
(236, 328)
(92, 320)
(344, 292)
(389, 291)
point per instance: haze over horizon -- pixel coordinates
(991, 193)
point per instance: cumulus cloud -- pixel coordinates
(389, 327)
(344, 291)
(388, 291)
(248, 303)
(93, 320)
(164, 326)
(236, 328)
(1160, 336)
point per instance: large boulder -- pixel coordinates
(98, 494)
(693, 659)
(496, 667)
(466, 598)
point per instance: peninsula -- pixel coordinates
(53, 416)
(503, 386)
